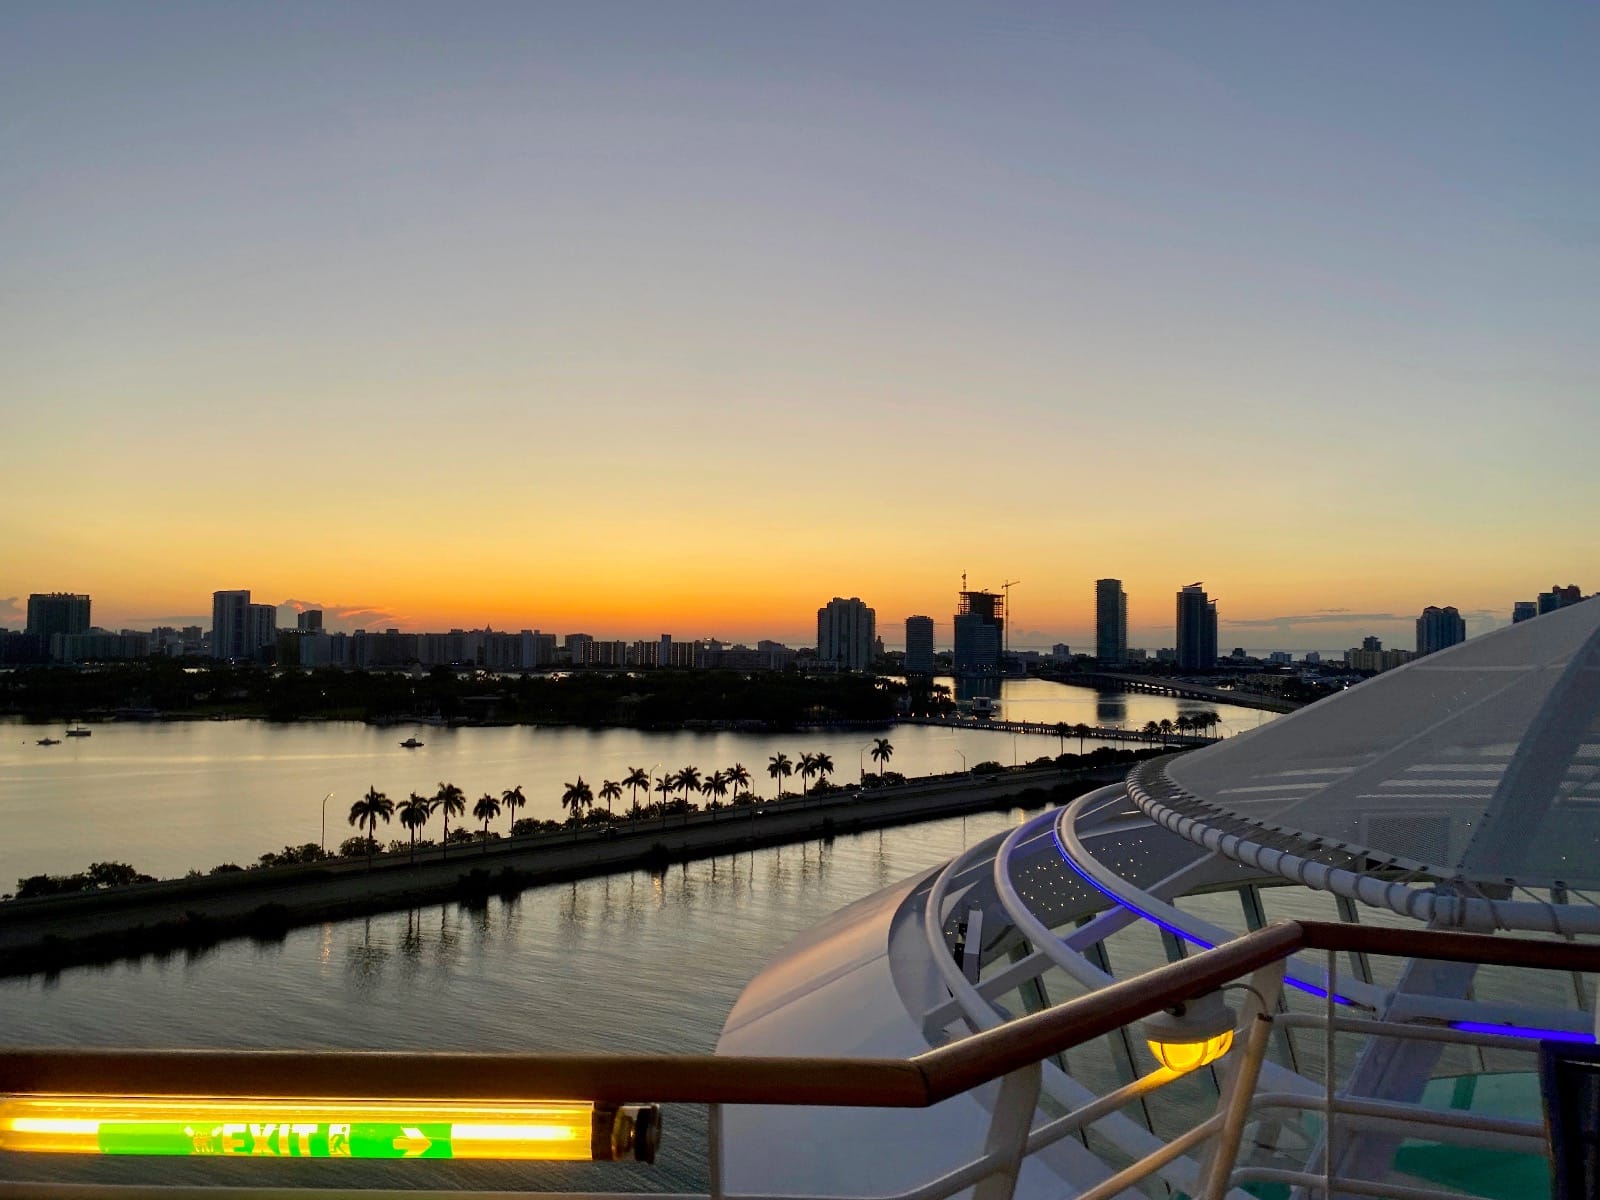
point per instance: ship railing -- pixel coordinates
(1011, 1055)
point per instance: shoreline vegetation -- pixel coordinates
(118, 913)
(168, 689)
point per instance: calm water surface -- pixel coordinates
(636, 962)
(632, 962)
(170, 797)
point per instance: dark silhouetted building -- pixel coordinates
(919, 645)
(1524, 610)
(241, 631)
(846, 630)
(1438, 628)
(979, 634)
(1197, 629)
(50, 613)
(1556, 597)
(1110, 621)
(310, 621)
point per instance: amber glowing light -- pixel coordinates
(1187, 1056)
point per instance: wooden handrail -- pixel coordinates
(708, 1079)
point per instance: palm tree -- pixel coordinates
(1062, 729)
(1150, 729)
(738, 778)
(575, 799)
(636, 778)
(824, 765)
(414, 813)
(668, 785)
(1166, 729)
(779, 766)
(1081, 731)
(806, 768)
(367, 810)
(715, 786)
(451, 801)
(610, 790)
(513, 799)
(486, 808)
(688, 780)
(882, 752)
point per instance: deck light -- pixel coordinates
(322, 1128)
(1191, 1034)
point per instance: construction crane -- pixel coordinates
(1006, 588)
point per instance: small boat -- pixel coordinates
(411, 743)
(79, 731)
(49, 741)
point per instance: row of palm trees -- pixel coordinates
(579, 798)
(1197, 723)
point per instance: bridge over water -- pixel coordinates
(1160, 686)
(1096, 733)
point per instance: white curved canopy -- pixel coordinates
(1481, 761)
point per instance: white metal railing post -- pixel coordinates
(1239, 1087)
(714, 1151)
(1008, 1131)
(1332, 1053)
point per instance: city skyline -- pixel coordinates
(288, 616)
(686, 320)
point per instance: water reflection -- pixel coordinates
(230, 790)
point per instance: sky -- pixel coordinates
(686, 317)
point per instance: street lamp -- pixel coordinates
(325, 800)
(861, 761)
(963, 761)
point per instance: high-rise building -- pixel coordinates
(241, 631)
(1438, 628)
(1373, 643)
(230, 613)
(310, 621)
(1197, 629)
(1524, 610)
(1556, 597)
(845, 633)
(979, 634)
(1110, 621)
(57, 612)
(919, 645)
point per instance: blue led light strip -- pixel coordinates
(1176, 930)
(1489, 1027)
(1523, 1031)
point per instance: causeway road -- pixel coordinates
(48, 933)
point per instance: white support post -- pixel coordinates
(714, 1151)
(1008, 1131)
(1239, 1086)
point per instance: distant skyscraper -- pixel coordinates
(1372, 643)
(57, 612)
(979, 633)
(919, 645)
(230, 620)
(846, 630)
(1438, 628)
(310, 621)
(1197, 629)
(241, 631)
(1110, 621)
(1524, 610)
(1559, 597)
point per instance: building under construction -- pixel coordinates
(980, 624)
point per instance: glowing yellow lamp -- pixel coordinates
(1191, 1034)
(322, 1128)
